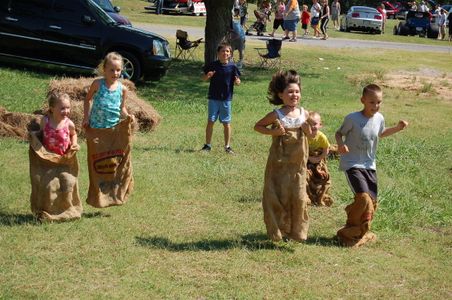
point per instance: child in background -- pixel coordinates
(318, 176)
(382, 10)
(305, 19)
(59, 133)
(237, 37)
(279, 17)
(108, 95)
(285, 201)
(361, 130)
(223, 75)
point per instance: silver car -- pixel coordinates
(362, 18)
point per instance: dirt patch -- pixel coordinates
(423, 82)
(18, 124)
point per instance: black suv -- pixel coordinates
(78, 34)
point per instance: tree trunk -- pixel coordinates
(218, 21)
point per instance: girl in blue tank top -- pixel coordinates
(107, 95)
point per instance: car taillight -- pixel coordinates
(377, 17)
(355, 15)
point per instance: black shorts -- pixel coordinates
(362, 181)
(304, 26)
(277, 23)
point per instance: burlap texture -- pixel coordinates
(110, 164)
(356, 231)
(285, 201)
(54, 183)
(319, 184)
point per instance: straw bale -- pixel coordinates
(145, 114)
(13, 124)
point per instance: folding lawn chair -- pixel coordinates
(272, 58)
(184, 47)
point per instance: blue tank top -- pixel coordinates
(106, 108)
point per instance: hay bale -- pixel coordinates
(145, 114)
(17, 125)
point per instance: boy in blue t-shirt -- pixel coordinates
(362, 130)
(223, 74)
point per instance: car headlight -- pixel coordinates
(160, 48)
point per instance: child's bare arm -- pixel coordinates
(73, 135)
(124, 111)
(262, 126)
(341, 147)
(318, 158)
(87, 103)
(237, 80)
(391, 130)
(208, 75)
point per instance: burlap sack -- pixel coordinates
(356, 231)
(285, 201)
(110, 164)
(319, 184)
(54, 183)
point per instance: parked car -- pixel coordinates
(391, 10)
(401, 14)
(362, 18)
(113, 11)
(191, 7)
(417, 23)
(77, 34)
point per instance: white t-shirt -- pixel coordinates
(315, 10)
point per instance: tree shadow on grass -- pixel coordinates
(9, 219)
(323, 241)
(250, 242)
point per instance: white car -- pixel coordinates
(362, 18)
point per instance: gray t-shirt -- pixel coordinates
(361, 137)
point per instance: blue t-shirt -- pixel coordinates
(222, 82)
(361, 137)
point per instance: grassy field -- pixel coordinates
(193, 227)
(134, 9)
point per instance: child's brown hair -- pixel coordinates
(371, 89)
(278, 84)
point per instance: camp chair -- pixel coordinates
(272, 58)
(184, 47)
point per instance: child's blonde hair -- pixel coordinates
(54, 97)
(305, 6)
(278, 84)
(112, 56)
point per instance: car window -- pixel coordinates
(69, 11)
(29, 7)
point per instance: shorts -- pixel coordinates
(219, 109)
(277, 23)
(291, 25)
(315, 21)
(363, 181)
(304, 26)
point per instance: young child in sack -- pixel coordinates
(285, 201)
(58, 130)
(318, 176)
(362, 130)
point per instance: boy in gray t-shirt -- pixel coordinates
(358, 152)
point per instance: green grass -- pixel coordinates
(193, 227)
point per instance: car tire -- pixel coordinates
(432, 34)
(131, 66)
(404, 30)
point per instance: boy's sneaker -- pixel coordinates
(206, 148)
(229, 150)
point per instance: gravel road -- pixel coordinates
(196, 32)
